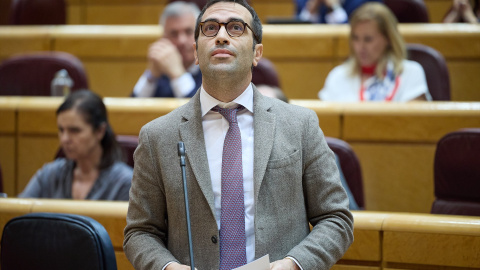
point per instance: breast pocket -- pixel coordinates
(285, 161)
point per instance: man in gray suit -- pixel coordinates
(289, 175)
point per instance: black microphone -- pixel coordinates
(181, 154)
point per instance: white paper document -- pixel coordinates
(262, 263)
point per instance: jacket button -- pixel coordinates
(214, 239)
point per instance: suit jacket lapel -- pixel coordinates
(264, 130)
(191, 133)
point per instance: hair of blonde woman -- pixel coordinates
(387, 25)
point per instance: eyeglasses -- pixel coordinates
(234, 28)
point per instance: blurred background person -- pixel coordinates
(93, 168)
(462, 11)
(327, 11)
(376, 69)
(171, 71)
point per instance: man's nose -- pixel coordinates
(182, 38)
(222, 36)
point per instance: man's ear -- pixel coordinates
(257, 54)
(195, 52)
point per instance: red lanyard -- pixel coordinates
(390, 97)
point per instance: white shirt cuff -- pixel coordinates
(183, 85)
(168, 265)
(144, 88)
(295, 261)
(336, 16)
(306, 16)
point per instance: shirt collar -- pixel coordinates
(208, 102)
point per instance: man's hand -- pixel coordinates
(177, 266)
(285, 264)
(164, 58)
(332, 3)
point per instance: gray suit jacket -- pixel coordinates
(296, 182)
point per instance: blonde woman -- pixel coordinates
(376, 69)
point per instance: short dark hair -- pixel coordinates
(256, 23)
(94, 112)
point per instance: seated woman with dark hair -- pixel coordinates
(377, 69)
(93, 169)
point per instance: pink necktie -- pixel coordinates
(232, 219)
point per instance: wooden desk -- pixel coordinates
(394, 142)
(114, 56)
(148, 11)
(383, 240)
(396, 146)
(431, 242)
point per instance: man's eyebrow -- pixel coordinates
(232, 19)
(211, 20)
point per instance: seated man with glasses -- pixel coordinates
(171, 71)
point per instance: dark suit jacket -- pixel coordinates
(164, 89)
(348, 5)
(296, 181)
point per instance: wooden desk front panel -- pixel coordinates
(396, 146)
(397, 166)
(112, 11)
(424, 122)
(148, 12)
(382, 240)
(431, 241)
(16, 40)
(409, 249)
(8, 120)
(397, 176)
(437, 9)
(10, 208)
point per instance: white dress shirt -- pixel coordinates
(181, 86)
(215, 127)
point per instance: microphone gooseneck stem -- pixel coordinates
(181, 153)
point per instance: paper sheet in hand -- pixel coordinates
(262, 263)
